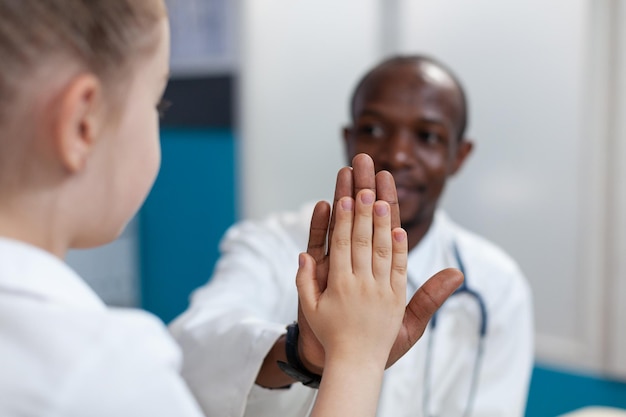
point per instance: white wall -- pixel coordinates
(614, 87)
(523, 62)
(299, 61)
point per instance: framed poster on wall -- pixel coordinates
(203, 63)
(203, 37)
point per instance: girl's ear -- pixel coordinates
(77, 121)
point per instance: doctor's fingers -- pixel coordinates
(363, 173)
(386, 191)
(318, 230)
(350, 181)
(344, 187)
(316, 246)
(427, 300)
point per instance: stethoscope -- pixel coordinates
(464, 289)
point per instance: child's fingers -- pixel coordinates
(362, 233)
(341, 254)
(399, 260)
(382, 246)
(306, 282)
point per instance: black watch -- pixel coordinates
(294, 366)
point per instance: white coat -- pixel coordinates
(252, 297)
(63, 353)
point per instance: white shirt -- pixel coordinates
(63, 353)
(252, 297)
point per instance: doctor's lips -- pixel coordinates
(406, 190)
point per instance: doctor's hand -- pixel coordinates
(424, 302)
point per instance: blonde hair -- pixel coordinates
(101, 35)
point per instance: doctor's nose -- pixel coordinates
(400, 151)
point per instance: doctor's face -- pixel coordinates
(407, 117)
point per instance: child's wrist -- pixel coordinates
(356, 357)
(355, 363)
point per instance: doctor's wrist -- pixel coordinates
(314, 368)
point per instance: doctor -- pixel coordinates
(409, 114)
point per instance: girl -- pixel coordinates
(80, 86)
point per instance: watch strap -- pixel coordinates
(294, 366)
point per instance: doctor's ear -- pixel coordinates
(348, 144)
(464, 149)
(77, 122)
(347, 131)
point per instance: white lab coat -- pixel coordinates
(252, 296)
(63, 353)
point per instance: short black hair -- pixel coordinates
(416, 60)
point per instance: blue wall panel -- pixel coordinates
(190, 207)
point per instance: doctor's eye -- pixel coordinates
(371, 131)
(429, 137)
(163, 106)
